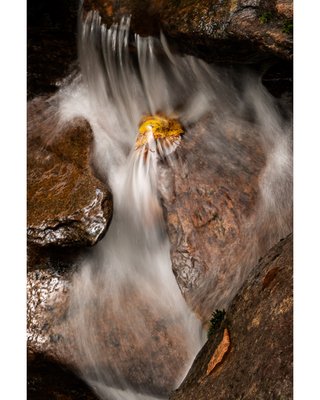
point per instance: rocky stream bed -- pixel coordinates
(211, 210)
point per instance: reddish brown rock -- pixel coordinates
(259, 362)
(53, 334)
(285, 8)
(232, 30)
(218, 222)
(67, 204)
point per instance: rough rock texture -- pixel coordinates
(225, 30)
(218, 223)
(47, 303)
(259, 362)
(67, 204)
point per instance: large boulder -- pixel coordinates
(219, 220)
(257, 361)
(67, 204)
(232, 30)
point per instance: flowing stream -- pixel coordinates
(135, 337)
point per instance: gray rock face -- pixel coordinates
(258, 364)
(67, 204)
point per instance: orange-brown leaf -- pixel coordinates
(219, 352)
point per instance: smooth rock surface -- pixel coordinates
(259, 362)
(67, 204)
(219, 223)
(225, 30)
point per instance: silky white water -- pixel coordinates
(135, 336)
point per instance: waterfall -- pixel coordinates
(135, 337)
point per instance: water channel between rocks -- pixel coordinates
(134, 335)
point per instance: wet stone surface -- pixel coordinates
(259, 362)
(53, 338)
(47, 305)
(228, 31)
(67, 204)
(50, 381)
(49, 277)
(217, 225)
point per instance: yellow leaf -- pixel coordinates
(161, 127)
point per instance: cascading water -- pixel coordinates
(135, 337)
(127, 282)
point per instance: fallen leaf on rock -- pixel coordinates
(219, 352)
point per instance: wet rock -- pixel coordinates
(228, 31)
(259, 362)
(67, 204)
(47, 380)
(58, 258)
(218, 221)
(47, 304)
(53, 327)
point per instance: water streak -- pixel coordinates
(135, 337)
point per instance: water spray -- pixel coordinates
(133, 334)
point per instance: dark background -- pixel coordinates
(51, 43)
